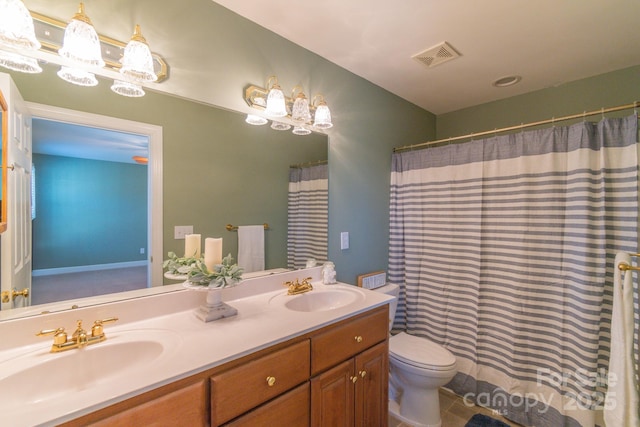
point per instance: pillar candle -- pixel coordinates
(212, 252)
(192, 246)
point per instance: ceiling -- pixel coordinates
(72, 140)
(546, 42)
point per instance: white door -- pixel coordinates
(15, 271)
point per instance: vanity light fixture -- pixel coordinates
(28, 37)
(17, 32)
(81, 47)
(295, 110)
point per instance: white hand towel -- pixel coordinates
(251, 247)
(622, 400)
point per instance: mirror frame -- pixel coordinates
(5, 167)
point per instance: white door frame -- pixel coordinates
(154, 181)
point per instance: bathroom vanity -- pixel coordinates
(319, 358)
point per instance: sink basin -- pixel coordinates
(323, 299)
(40, 375)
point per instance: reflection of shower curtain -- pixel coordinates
(505, 250)
(308, 210)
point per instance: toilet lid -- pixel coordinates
(420, 352)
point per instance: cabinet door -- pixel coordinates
(372, 394)
(332, 397)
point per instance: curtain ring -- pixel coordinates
(602, 112)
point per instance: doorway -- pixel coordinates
(96, 197)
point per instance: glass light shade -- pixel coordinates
(81, 43)
(16, 26)
(77, 76)
(280, 126)
(300, 111)
(323, 117)
(299, 130)
(252, 119)
(16, 62)
(276, 106)
(123, 88)
(137, 62)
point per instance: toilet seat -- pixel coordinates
(420, 352)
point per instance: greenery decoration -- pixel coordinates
(223, 275)
(179, 265)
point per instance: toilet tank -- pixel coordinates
(393, 290)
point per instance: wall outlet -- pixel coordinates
(344, 240)
(179, 231)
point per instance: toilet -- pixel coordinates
(417, 368)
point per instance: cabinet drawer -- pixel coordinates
(291, 410)
(348, 338)
(182, 407)
(242, 388)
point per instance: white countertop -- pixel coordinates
(193, 345)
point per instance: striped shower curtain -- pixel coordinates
(307, 217)
(504, 250)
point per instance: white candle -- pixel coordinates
(212, 252)
(192, 246)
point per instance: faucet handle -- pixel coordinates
(59, 335)
(97, 330)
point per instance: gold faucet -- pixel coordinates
(80, 338)
(296, 287)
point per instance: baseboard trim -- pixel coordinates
(85, 268)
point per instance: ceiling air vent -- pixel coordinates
(437, 55)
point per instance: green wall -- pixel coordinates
(607, 90)
(88, 212)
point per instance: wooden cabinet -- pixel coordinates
(334, 376)
(354, 392)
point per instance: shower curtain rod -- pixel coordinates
(635, 104)
(307, 164)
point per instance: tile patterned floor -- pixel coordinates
(455, 413)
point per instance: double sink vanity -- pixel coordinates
(316, 358)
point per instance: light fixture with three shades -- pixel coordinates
(286, 112)
(80, 50)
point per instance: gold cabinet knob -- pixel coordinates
(358, 338)
(271, 381)
(363, 374)
(354, 379)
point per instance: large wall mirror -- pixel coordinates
(5, 166)
(216, 170)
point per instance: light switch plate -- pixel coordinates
(344, 240)
(179, 231)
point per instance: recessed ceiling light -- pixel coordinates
(507, 81)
